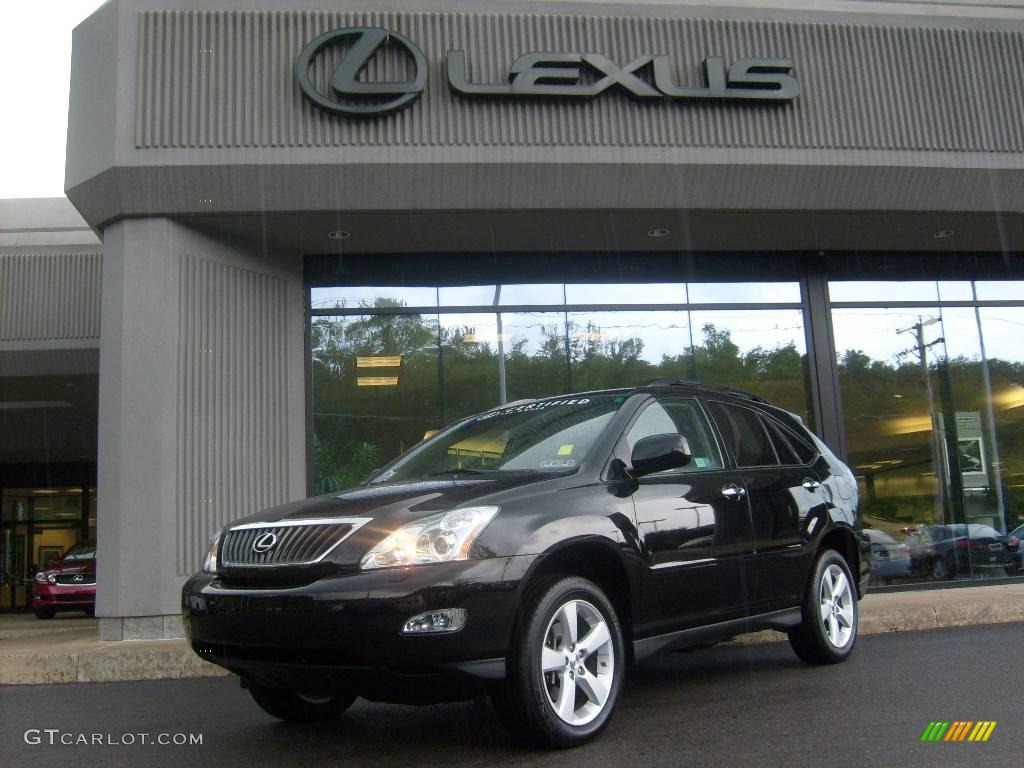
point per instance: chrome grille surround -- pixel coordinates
(299, 542)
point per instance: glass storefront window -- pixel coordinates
(541, 293)
(430, 370)
(624, 349)
(535, 354)
(931, 398)
(904, 290)
(1000, 290)
(744, 293)
(762, 351)
(625, 293)
(375, 392)
(359, 297)
(38, 525)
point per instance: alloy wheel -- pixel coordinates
(835, 597)
(577, 662)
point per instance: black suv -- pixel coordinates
(533, 552)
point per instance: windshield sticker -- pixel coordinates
(558, 464)
(530, 407)
(565, 450)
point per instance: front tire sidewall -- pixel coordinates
(526, 707)
(810, 640)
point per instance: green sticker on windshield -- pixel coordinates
(565, 450)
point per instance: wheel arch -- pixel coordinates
(841, 538)
(596, 559)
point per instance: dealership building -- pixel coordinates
(306, 234)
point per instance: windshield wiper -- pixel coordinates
(461, 472)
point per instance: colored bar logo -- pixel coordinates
(958, 730)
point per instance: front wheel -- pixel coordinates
(829, 627)
(565, 667)
(296, 707)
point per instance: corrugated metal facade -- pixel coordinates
(50, 296)
(232, 399)
(224, 79)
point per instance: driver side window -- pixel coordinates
(684, 416)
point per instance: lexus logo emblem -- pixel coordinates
(351, 95)
(264, 542)
(79, 578)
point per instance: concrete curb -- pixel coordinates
(75, 656)
(104, 662)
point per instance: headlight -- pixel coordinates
(210, 561)
(435, 539)
(43, 578)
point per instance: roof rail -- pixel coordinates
(671, 381)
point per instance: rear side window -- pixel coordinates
(804, 449)
(744, 434)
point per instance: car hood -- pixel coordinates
(72, 566)
(385, 507)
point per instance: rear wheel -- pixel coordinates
(296, 707)
(943, 568)
(829, 627)
(565, 667)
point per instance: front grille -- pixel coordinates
(286, 543)
(75, 578)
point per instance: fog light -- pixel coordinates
(444, 620)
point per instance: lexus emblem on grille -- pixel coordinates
(79, 578)
(264, 542)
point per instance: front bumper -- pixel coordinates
(60, 596)
(346, 630)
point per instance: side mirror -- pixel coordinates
(660, 452)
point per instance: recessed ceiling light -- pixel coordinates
(339, 234)
(943, 234)
(659, 232)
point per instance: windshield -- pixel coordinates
(85, 550)
(552, 435)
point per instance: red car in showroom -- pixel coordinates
(68, 583)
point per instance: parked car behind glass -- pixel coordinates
(890, 559)
(68, 583)
(943, 551)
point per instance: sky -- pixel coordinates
(35, 57)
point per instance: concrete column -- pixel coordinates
(201, 409)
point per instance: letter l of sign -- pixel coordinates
(458, 82)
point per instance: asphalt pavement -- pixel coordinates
(723, 706)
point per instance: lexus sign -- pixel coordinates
(649, 77)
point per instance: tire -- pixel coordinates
(295, 707)
(829, 628)
(558, 615)
(943, 568)
(90, 612)
(45, 613)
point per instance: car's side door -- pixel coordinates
(692, 522)
(786, 502)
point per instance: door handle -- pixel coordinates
(733, 492)
(811, 484)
